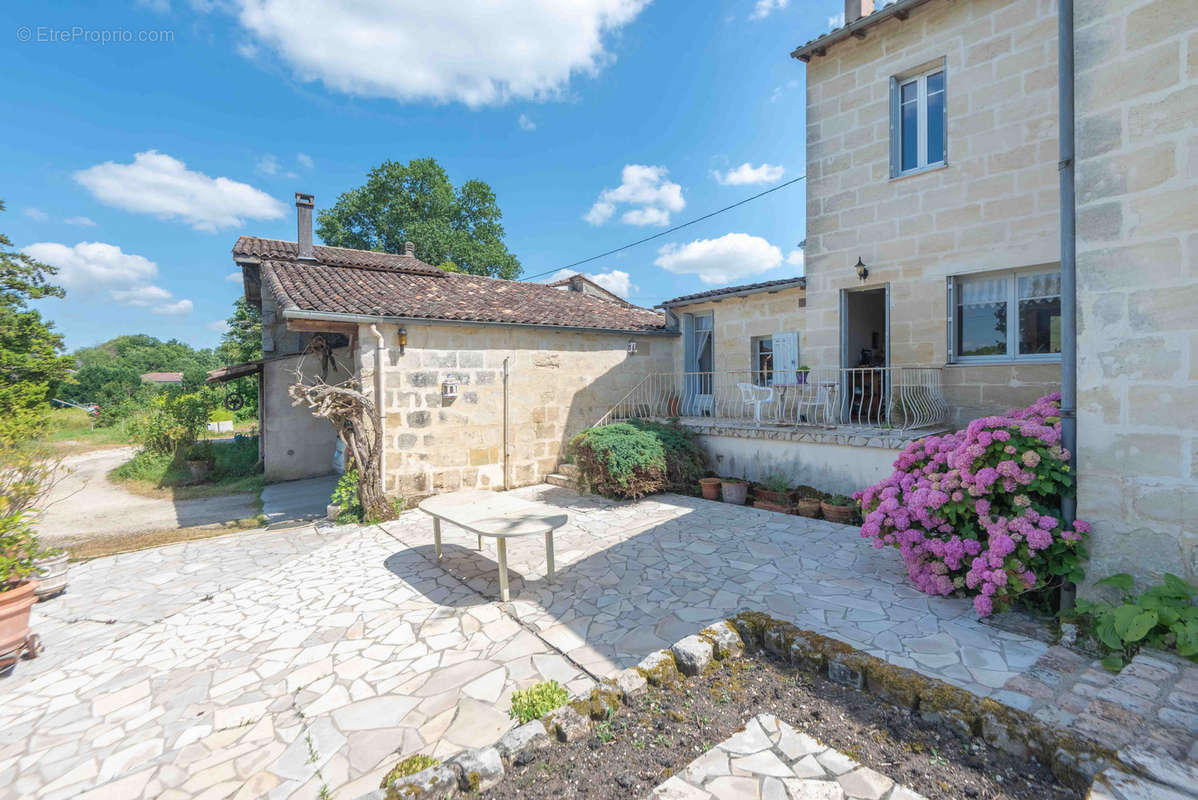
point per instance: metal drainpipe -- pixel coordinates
(1068, 263)
(380, 358)
(507, 471)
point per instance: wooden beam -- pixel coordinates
(322, 326)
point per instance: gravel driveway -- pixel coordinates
(86, 505)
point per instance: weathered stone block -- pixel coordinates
(568, 725)
(692, 655)
(435, 782)
(725, 641)
(630, 683)
(519, 745)
(422, 379)
(478, 770)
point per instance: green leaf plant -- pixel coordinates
(1164, 616)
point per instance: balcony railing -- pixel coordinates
(904, 398)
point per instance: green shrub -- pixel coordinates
(684, 458)
(538, 700)
(345, 495)
(173, 420)
(620, 460)
(233, 460)
(1164, 617)
(776, 483)
(409, 766)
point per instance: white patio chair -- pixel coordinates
(818, 398)
(756, 396)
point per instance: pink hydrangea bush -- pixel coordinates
(975, 513)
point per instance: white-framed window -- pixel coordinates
(762, 357)
(1013, 315)
(918, 122)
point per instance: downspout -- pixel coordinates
(1065, 169)
(507, 460)
(380, 358)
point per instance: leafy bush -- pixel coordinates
(776, 483)
(840, 500)
(26, 475)
(345, 495)
(684, 458)
(1164, 616)
(537, 700)
(620, 460)
(173, 420)
(974, 513)
(232, 460)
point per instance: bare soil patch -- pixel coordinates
(114, 545)
(659, 733)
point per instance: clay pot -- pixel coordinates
(710, 487)
(770, 496)
(735, 492)
(808, 507)
(841, 514)
(52, 576)
(766, 505)
(672, 405)
(14, 616)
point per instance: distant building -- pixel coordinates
(162, 378)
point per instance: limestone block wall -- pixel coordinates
(737, 320)
(560, 383)
(1137, 242)
(993, 206)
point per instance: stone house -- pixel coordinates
(483, 381)
(932, 164)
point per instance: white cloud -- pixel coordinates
(177, 309)
(160, 185)
(91, 267)
(646, 188)
(267, 165)
(616, 281)
(766, 7)
(86, 222)
(305, 160)
(36, 214)
(836, 21)
(473, 53)
(234, 277)
(746, 173)
(731, 257)
(795, 259)
(776, 95)
(525, 123)
(218, 325)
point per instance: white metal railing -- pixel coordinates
(829, 397)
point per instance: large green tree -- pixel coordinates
(416, 202)
(241, 342)
(31, 361)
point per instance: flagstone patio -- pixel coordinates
(321, 654)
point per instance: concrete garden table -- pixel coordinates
(499, 515)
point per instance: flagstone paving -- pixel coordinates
(304, 659)
(770, 759)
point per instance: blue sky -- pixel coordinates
(133, 166)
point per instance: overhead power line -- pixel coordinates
(668, 231)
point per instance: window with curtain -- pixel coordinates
(762, 355)
(1008, 315)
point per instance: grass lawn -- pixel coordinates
(70, 431)
(157, 475)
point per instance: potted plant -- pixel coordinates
(200, 461)
(51, 572)
(838, 508)
(808, 505)
(710, 487)
(18, 549)
(801, 374)
(773, 494)
(672, 404)
(734, 490)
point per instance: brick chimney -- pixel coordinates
(409, 249)
(856, 9)
(303, 220)
(576, 284)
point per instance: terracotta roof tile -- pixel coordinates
(363, 283)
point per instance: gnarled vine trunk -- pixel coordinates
(353, 414)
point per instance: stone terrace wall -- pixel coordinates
(1137, 190)
(561, 382)
(994, 205)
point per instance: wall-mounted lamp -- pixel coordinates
(449, 388)
(632, 347)
(403, 339)
(862, 270)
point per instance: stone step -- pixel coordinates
(569, 470)
(564, 481)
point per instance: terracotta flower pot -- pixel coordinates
(808, 507)
(735, 492)
(710, 488)
(14, 616)
(766, 505)
(841, 514)
(51, 576)
(770, 496)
